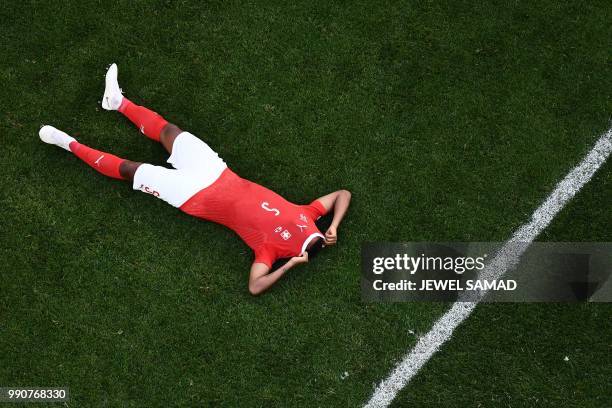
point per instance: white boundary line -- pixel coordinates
(505, 258)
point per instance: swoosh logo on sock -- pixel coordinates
(97, 162)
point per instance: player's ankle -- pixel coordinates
(125, 102)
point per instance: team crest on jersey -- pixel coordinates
(285, 234)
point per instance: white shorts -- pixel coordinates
(197, 167)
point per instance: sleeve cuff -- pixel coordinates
(319, 207)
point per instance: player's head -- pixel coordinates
(314, 247)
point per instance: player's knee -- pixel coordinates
(170, 131)
(128, 168)
(168, 135)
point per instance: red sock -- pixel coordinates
(102, 162)
(150, 123)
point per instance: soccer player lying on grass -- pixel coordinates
(202, 185)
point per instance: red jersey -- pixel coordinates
(272, 226)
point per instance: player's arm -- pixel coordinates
(261, 278)
(339, 202)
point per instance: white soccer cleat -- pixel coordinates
(112, 93)
(51, 135)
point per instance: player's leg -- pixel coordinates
(103, 162)
(150, 123)
(194, 155)
(168, 135)
(173, 186)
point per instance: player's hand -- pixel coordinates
(331, 236)
(301, 258)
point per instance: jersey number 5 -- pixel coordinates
(265, 205)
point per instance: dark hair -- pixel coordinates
(315, 246)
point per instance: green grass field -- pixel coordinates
(448, 121)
